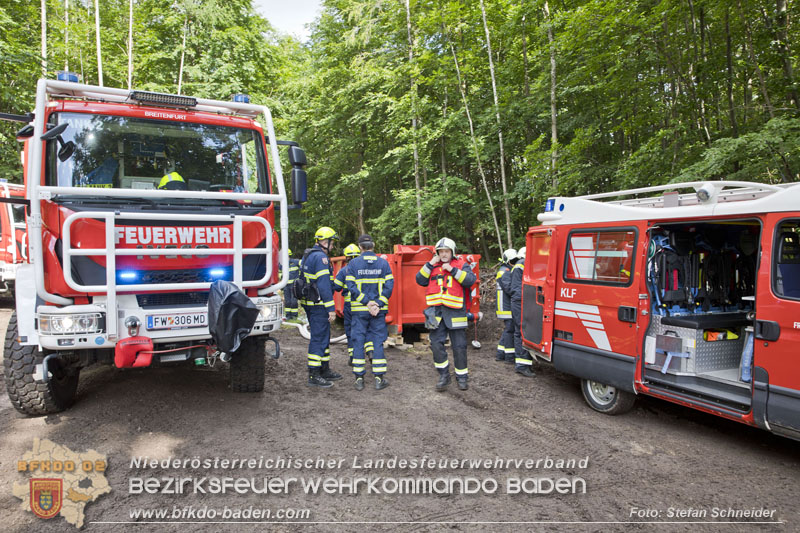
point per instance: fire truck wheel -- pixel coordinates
(247, 366)
(28, 395)
(605, 398)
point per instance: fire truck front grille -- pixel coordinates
(172, 299)
(176, 276)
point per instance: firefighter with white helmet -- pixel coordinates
(505, 347)
(317, 271)
(339, 284)
(512, 283)
(448, 279)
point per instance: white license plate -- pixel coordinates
(177, 321)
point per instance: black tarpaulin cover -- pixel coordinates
(231, 315)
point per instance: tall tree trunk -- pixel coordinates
(553, 106)
(183, 53)
(44, 38)
(729, 60)
(66, 35)
(526, 87)
(414, 121)
(499, 126)
(97, 40)
(783, 45)
(476, 150)
(754, 62)
(130, 46)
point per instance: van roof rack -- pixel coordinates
(709, 198)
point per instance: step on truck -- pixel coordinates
(137, 203)
(693, 298)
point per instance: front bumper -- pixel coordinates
(81, 327)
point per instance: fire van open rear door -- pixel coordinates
(538, 290)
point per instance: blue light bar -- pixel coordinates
(241, 98)
(63, 75)
(217, 272)
(549, 205)
(128, 275)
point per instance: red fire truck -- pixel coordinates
(693, 298)
(13, 236)
(138, 202)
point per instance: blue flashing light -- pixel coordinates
(241, 98)
(561, 207)
(549, 205)
(128, 275)
(217, 272)
(63, 75)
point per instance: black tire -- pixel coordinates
(247, 366)
(605, 398)
(29, 396)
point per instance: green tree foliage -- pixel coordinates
(647, 92)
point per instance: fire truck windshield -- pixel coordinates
(137, 153)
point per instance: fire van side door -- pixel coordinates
(776, 363)
(539, 290)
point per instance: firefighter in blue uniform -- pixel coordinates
(512, 283)
(505, 348)
(370, 282)
(316, 268)
(289, 301)
(339, 284)
(448, 280)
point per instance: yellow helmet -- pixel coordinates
(173, 180)
(352, 250)
(290, 252)
(325, 233)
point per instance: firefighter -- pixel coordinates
(289, 301)
(339, 284)
(512, 283)
(505, 348)
(370, 283)
(172, 182)
(448, 280)
(316, 269)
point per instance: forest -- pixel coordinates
(458, 118)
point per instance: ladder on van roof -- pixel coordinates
(706, 192)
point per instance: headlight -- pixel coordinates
(271, 311)
(71, 324)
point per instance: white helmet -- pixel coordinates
(446, 243)
(521, 252)
(509, 255)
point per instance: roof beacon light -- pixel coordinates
(707, 192)
(241, 98)
(161, 99)
(549, 205)
(63, 75)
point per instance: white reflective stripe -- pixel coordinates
(462, 371)
(593, 325)
(592, 317)
(583, 308)
(600, 338)
(569, 314)
(523, 361)
(441, 365)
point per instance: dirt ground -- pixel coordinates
(656, 457)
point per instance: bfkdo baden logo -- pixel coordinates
(46, 497)
(61, 482)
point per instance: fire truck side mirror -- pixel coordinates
(297, 157)
(299, 186)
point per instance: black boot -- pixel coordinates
(500, 356)
(329, 374)
(444, 381)
(525, 371)
(381, 382)
(316, 380)
(359, 383)
(462, 384)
